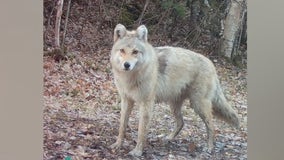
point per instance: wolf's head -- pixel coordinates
(129, 47)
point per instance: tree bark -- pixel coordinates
(194, 14)
(65, 25)
(231, 27)
(57, 23)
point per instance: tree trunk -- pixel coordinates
(57, 23)
(65, 25)
(231, 27)
(194, 14)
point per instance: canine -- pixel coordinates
(145, 75)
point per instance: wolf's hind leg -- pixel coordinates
(176, 111)
(203, 108)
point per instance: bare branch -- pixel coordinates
(143, 12)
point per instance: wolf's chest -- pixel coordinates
(135, 88)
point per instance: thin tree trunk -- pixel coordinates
(231, 26)
(57, 23)
(194, 14)
(241, 27)
(194, 22)
(143, 12)
(65, 25)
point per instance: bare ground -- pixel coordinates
(81, 115)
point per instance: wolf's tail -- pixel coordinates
(222, 109)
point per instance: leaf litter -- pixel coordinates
(81, 103)
(81, 116)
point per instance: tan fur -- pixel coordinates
(144, 74)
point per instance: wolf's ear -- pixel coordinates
(119, 32)
(142, 32)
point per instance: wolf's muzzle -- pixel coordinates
(126, 66)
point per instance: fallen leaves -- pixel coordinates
(81, 122)
(81, 110)
(81, 117)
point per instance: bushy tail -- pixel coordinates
(222, 109)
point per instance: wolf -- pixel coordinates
(144, 74)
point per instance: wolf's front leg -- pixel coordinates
(126, 108)
(145, 111)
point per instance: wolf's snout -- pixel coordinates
(126, 65)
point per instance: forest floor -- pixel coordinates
(81, 103)
(81, 115)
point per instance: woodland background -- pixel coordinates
(81, 102)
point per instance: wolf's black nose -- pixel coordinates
(126, 65)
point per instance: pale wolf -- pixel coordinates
(145, 75)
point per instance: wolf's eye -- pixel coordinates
(134, 52)
(121, 50)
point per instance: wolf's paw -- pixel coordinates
(116, 145)
(136, 153)
(208, 149)
(170, 137)
(166, 139)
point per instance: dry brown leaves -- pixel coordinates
(81, 116)
(81, 110)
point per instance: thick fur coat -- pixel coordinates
(145, 75)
